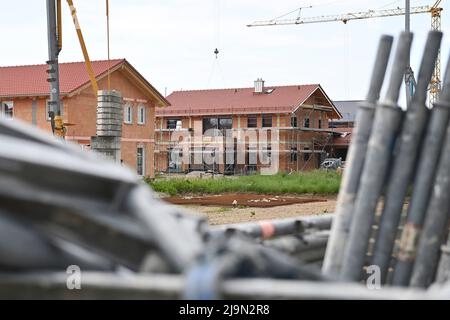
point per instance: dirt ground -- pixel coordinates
(226, 214)
(231, 200)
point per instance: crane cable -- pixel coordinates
(215, 67)
(108, 45)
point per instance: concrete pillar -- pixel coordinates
(109, 125)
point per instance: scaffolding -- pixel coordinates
(302, 146)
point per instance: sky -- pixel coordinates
(171, 42)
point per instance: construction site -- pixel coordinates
(113, 187)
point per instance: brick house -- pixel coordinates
(24, 93)
(300, 113)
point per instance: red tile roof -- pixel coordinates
(280, 99)
(31, 80)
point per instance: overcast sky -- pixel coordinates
(171, 42)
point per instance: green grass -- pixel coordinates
(317, 182)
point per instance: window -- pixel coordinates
(320, 124)
(252, 121)
(266, 155)
(141, 115)
(294, 121)
(209, 123)
(51, 108)
(128, 113)
(293, 154)
(174, 160)
(174, 124)
(225, 124)
(306, 122)
(306, 154)
(7, 110)
(140, 161)
(267, 121)
(217, 123)
(251, 158)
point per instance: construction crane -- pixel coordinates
(435, 11)
(54, 33)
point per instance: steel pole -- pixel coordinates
(402, 172)
(355, 162)
(53, 51)
(275, 228)
(108, 285)
(409, 74)
(436, 223)
(423, 184)
(388, 118)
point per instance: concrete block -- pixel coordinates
(110, 116)
(114, 127)
(103, 121)
(109, 133)
(101, 109)
(114, 105)
(107, 141)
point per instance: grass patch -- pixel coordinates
(316, 182)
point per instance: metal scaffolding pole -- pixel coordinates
(53, 52)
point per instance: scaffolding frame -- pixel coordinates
(305, 140)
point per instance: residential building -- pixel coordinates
(299, 113)
(24, 94)
(348, 110)
(344, 127)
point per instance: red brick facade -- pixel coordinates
(79, 112)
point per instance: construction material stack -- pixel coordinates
(109, 125)
(408, 153)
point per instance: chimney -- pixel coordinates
(259, 85)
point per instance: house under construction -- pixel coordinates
(299, 113)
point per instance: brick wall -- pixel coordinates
(80, 110)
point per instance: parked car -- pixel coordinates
(331, 164)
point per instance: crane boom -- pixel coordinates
(342, 17)
(435, 11)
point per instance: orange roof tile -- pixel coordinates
(278, 99)
(31, 80)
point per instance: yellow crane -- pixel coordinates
(54, 33)
(434, 10)
(89, 68)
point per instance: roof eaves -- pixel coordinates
(303, 101)
(162, 101)
(33, 95)
(331, 102)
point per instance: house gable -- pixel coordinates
(128, 71)
(320, 98)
